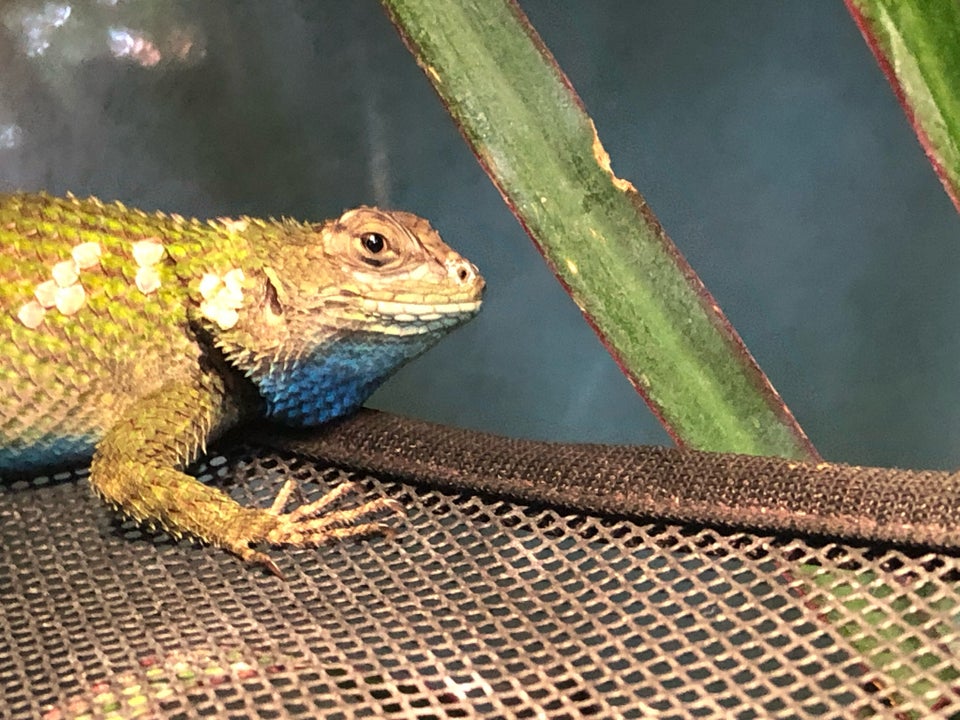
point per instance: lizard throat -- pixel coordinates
(335, 378)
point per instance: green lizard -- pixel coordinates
(138, 338)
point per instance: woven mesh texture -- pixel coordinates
(477, 608)
(762, 494)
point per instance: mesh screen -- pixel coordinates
(477, 608)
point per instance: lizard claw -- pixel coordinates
(248, 554)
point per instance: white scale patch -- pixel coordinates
(222, 297)
(64, 291)
(70, 299)
(86, 255)
(146, 254)
(31, 314)
(65, 273)
(147, 280)
(46, 293)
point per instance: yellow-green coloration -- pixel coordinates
(138, 338)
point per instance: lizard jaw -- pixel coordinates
(392, 317)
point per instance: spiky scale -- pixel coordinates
(139, 338)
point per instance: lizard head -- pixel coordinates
(336, 308)
(396, 276)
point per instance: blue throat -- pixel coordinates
(335, 379)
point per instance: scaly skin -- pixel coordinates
(139, 338)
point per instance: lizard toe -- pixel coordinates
(307, 526)
(315, 508)
(312, 534)
(249, 555)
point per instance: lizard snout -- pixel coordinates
(466, 274)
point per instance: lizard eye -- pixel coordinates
(373, 242)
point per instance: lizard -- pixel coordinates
(140, 338)
(137, 339)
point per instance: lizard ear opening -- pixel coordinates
(274, 295)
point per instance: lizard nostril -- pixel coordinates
(463, 269)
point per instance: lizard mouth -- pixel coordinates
(412, 318)
(392, 317)
(405, 313)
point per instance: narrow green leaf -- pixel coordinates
(530, 131)
(917, 44)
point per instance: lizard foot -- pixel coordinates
(309, 525)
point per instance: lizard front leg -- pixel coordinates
(138, 466)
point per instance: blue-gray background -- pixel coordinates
(762, 134)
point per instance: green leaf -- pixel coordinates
(531, 133)
(917, 43)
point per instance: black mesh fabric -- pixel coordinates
(478, 607)
(917, 507)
